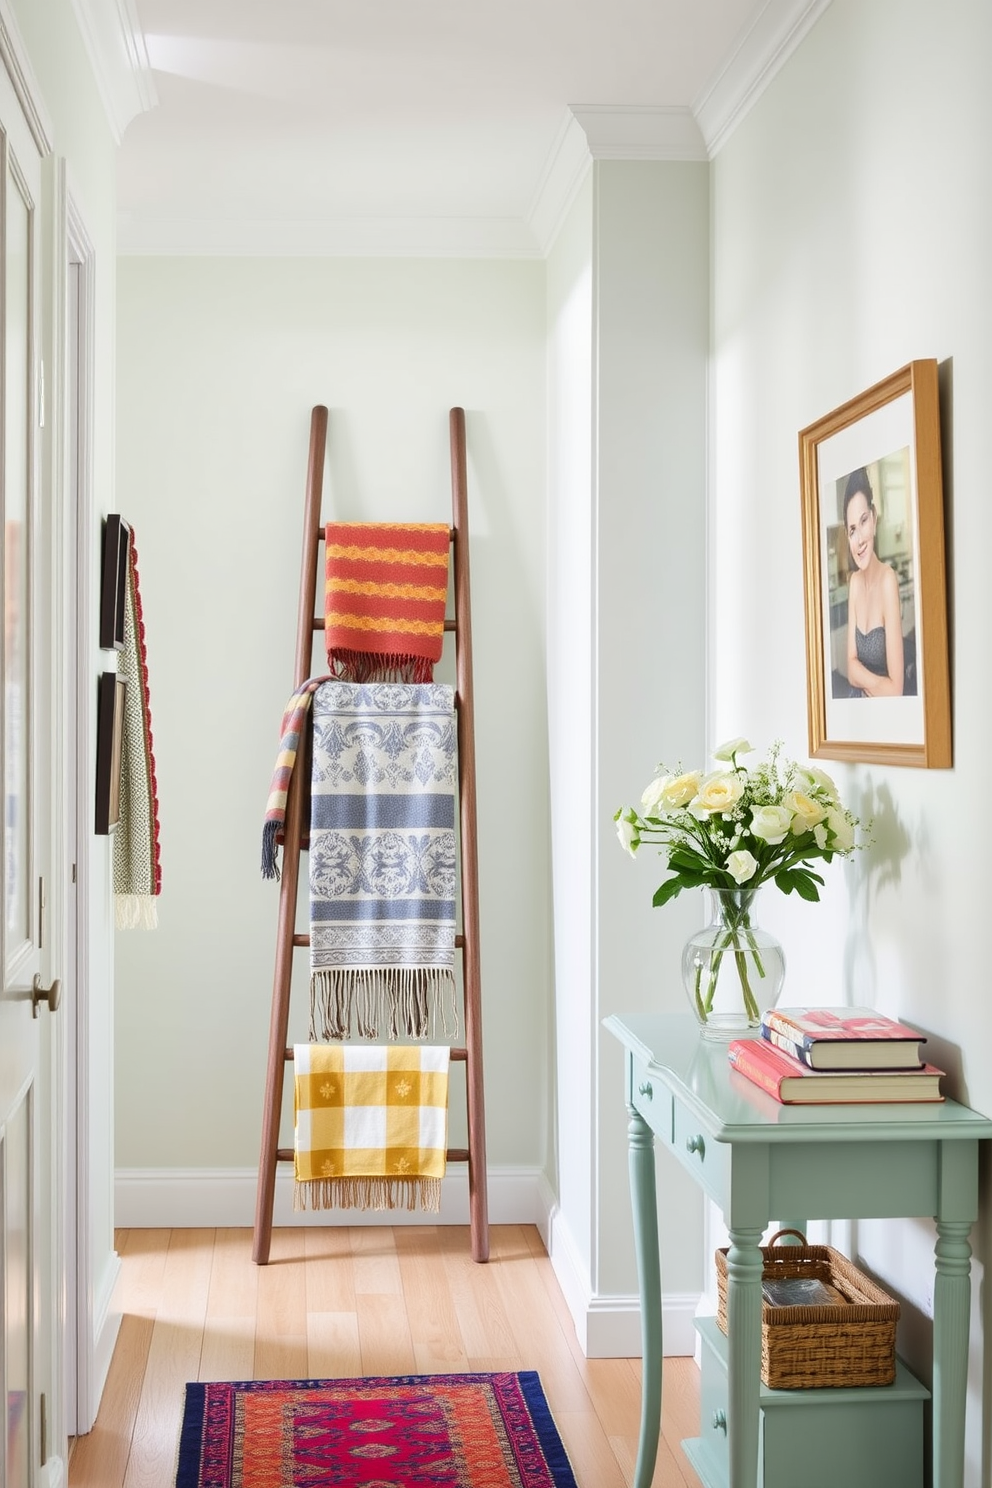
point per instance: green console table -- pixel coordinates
(760, 1161)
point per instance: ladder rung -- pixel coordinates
(304, 940)
(453, 1154)
(449, 625)
(320, 534)
(457, 1056)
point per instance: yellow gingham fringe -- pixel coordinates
(368, 1193)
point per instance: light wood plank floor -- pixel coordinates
(369, 1300)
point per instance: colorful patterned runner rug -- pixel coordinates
(413, 1431)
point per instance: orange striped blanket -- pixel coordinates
(387, 583)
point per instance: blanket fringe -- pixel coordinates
(135, 912)
(270, 832)
(379, 666)
(368, 1193)
(415, 1001)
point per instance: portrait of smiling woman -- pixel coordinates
(871, 588)
(875, 664)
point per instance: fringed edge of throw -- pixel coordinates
(135, 912)
(368, 1193)
(379, 666)
(270, 832)
(402, 1000)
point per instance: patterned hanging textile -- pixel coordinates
(386, 587)
(136, 852)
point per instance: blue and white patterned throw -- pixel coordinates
(382, 860)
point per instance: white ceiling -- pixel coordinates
(408, 126)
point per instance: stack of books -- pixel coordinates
(836, 1056)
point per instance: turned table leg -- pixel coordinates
(951, 1310)
(744, 1266)
(643, 1203)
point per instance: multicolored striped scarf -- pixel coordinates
(137, 852)
(291, 732)
(387, 583)
(371, 1125)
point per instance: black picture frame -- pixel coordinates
(113, 582)
(109, 744)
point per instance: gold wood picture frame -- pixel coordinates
(873, 565)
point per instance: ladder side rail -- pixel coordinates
(292, 838)
(471, 964)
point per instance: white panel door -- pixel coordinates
(24, 673)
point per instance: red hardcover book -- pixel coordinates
(793, 1083)
(844, 1038)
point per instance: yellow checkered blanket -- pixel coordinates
(371, 1125)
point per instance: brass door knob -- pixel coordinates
(51, 995)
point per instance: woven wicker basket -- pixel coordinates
(810, 1348)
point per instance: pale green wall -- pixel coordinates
(571, 709)
(652, 330)
(628, 338)
(220, 362)
(851, 224)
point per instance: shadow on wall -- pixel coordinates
(869, 873)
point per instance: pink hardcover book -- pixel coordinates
(844, 1038)
(791, 1082)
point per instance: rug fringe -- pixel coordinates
(413, 1001)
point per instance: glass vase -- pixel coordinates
(732, 969)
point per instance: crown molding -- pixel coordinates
(380, 237)
(565, 168)
(115, 45)
(587, 132)
(761, 49)
(591, 132)
(640, 132)
(14, 57)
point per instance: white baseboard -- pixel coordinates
(608, 1326)
(52, 1475)
(212, 1198)
(106, 1326)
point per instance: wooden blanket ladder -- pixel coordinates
(467, 940)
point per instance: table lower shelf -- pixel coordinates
(860, 1438)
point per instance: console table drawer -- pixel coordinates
(652, 1100)
(706, 1159)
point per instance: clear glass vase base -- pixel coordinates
(732, 970)
(725, 1026)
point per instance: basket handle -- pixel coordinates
(779, 1233)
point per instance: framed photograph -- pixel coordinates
(109, 742)
(873, 560)
(113, 582)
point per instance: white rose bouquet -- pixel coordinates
(733, 830)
